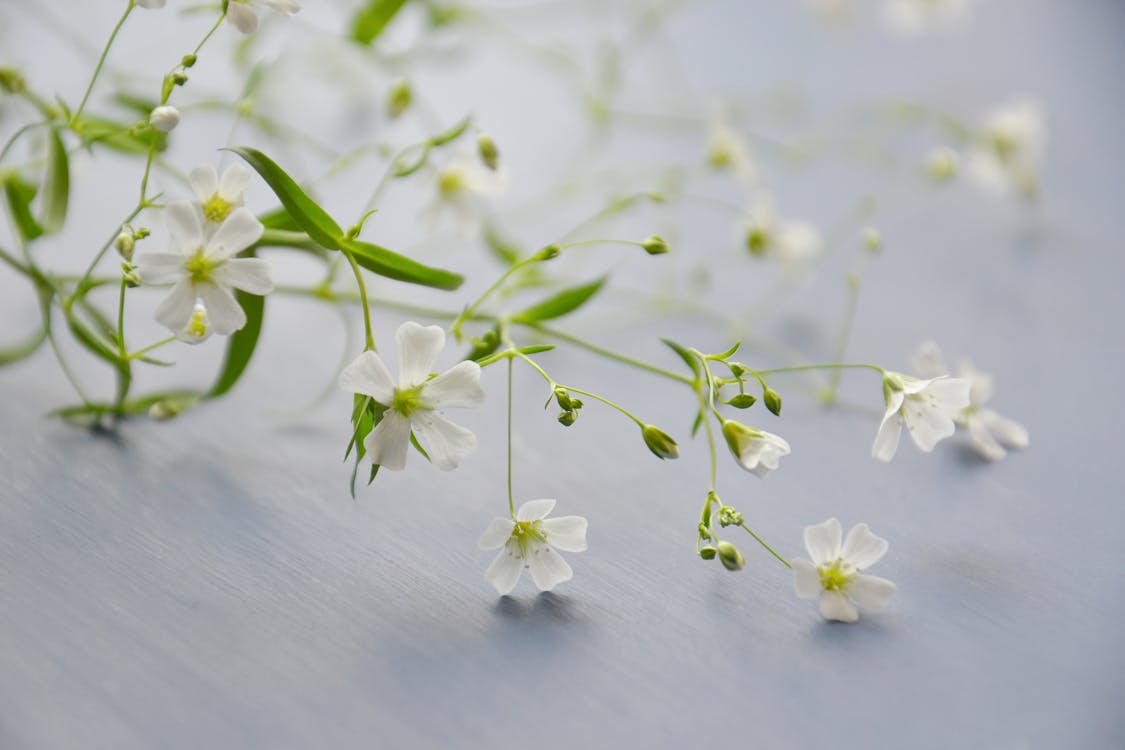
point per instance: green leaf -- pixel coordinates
(56, 186)
(419, 448)
(500, 247)
(279, 219)
(92, 342)
(240, 344)
(729, 352)
(120, 137)
(372, 18)
(697, 423)
(309, 216)
(485, 344)
(23, 349)
(688, 358)
(20, 194)
(390, 264)
(451, 134)
(563, 303)
(535, 349)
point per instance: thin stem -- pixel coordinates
(210, 33)
(608, 353)
(101, 61)
(770, 549)
(845, 336)
(605, 401)
(121, 320)
(369, 338)
(108, 244)
(468, 311)
(805, 368)
(141, 352)
(583, 243)
(511, 495)
(16, 136)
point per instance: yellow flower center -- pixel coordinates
(406, 401)
(758, 240)
(216, 209)
(525, 531)
(197, 326)
(835, 576)
(200, 267)
(451, 183)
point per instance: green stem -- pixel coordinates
(141, 352)
(770, 549)
(468, 311)
(101, 62)
(369, 338)
(608, 353)
(511, 495)
(16, 136)
(845, 336)
(805, 368)
(605, 401)
(121, 321)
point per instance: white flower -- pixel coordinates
(757, 451)
(205, 270)
(926, 407)
(151, 3)
(415, 403)
(792, 242)
(164, 118)
(530, 542)
(988, 431)
(217, 198)
(1010, 147)
(462, 189)
(913, 17)
(942, 163)
(834, 573)
(727, 149)
(241, 13)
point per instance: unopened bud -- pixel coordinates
(660, 442)
(142, 232)
(11, 80)
(550, 252)
(743, 401)
(567, 418)
(730, 557)
(164, 118)
(757, 240)
(655, 245)
(188, 60)
(773, 401)
(399, 98)
(708, 552)
(129, 273)
(566, 401)
(728, 516)
(179, 78)
(124, 245)
(489, 154)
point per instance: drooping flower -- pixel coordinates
(415, 403)
(204, 271)
(913, 17)
(531, 541)
(1010, 147)
(792, 242)
(926, 407)
(217, 198)
(988, 431)
(243, 15)
(757, 451)
(834, 574)
(164, 118)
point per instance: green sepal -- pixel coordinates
(20, 194)
(418, 447)
(689, 359)
(372, 18)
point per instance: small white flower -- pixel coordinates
(152, 3)
(926, 407)
(1010, 147)
(727, 149)
(164, 118)
(988, 431)
(242, 14)
(217, 198)
(942, 163)
(415, 403)
(757, 451)
(204, 270)
(530, 542)
(462, 189)
(913, 17)
(834, 573)
(792, 242)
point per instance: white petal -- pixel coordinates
(182, 220)
(910, 385)
(248, 274)
(927, 424)
(497, 534)
(806, 581)
(288, 7)
(871, 592)
(567, 533)
(236, 178)
(448, 444)
(982, 384)
(160, 268)
(175, 311)
(862, 548)
(239, 230)
(505, 570)
(928, 362)
(983, 441)
(418, 347)
(534, 510)
(227, 316)
(459, 386)
(835, 606)
(204, 182)
(1005, 430)
(823, 541)
(243, 17)
(386, 445)
(548, 568)
(369, 376)
(949, 394)
(886, 440)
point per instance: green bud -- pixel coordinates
(743, 401)
(773, 401)
(124, 245)
(708, 552)
(179, 78)
(655, 245)
(550, 252)
(704, 531)
(141, 233)
(188, 60)
(11, 80)
(728, 516)
(567, 418)
(489, 154)
(660, 442)
(399, 98)
(566, 401)
(164, 410)
(757, 241)
(129, 273)
(730, 557)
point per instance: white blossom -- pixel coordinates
(244, 16)
(757, 451)
(164, 118)
(531, 541)
(415, 403)
(151, 3)
(927, 408)
(988, 431)
(217, 198)
(795, 243)
(727, 149)
(913, 17)
(1009, 147)
(834, 574)
(204, 271)
(462, 189)
(942, 164)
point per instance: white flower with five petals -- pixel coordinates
(834, 574)
(217, 198)
(204, 270)
(414, 404)
(927, 408)
(530, 541)
(757, 451)
(242, 14)
(795, 243)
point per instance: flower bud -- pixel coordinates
(399, 98)
(164, 118)
(142, 232)
(660, 442)
(567, 418)
(188, 60)
(11, 80)
(489, 154)
(129, 273)
(179, 78)
(162, 411)
(773, 401)
(708, 552)
(743, 401)
(550, 252)
(728, 516)
(124, 245)
(655, 245)
(730, 557)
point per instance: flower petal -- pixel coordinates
(1005, 430)
(928, 362)
(983, 440)
(871, 592)
(548, 568)
(927, 424)
(459, 386)
(368, 375)
(863, 548)
(505, 570)
(239, 230)
(227, 316)
(243, 17)
(497, 534)
(835, 606)
(248, 274)
(806, 581)
(204, 182)
(176, 309)
(182, 220)
(886, 440)
(823, 541)
(447, 443)
(386, 445)
(567, 533)
(949, 394)
(160, 268)
(418, 347)
(534, 510)
(236, 178)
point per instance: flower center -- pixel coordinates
(1004, 146)
(200, 267)
(216, 209)
(451, 183)
(406, 401)
(758, 240)
(197, 326)
(835, 576)
(526, 531)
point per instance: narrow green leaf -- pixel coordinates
(451, 134)
(485, 345)
(240, 344)
(120, 137)
(309, 216)
(535, 349)
(56, 186)
(279, 219)
(387, 263)
(500, 247)
(20, 194)
(563, 303)
(697, 423)
(729, 352)
(419, 448)
(24, 349)
(404, 167)
(92, 342)
(685, 355)
(372, 18)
